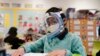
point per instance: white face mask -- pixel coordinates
(53, 28)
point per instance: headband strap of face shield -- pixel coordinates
(56, 24)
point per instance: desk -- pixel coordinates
(10, 51)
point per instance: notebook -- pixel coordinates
(35, 54)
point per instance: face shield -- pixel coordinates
(54, 24)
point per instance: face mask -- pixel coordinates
(53, 28)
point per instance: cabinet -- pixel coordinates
(86, 29)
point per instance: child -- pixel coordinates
(28, 38)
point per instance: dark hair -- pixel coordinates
(30, 29)
(53, 9)
(62, 15)
(12, 31)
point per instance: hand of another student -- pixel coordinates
(18, 52)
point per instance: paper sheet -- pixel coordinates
(35, 54)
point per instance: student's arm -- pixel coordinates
(30, 47)
(34, 46)
(77, 48)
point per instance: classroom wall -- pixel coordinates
(78, 4)
(36, 3)
(11, 15)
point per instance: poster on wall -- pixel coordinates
(30, 19)
(4, 4)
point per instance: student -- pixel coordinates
(99, 30)
(58, 42)
(28, 38)
(30, 31)
(12, 38)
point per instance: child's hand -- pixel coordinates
(19, 52)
